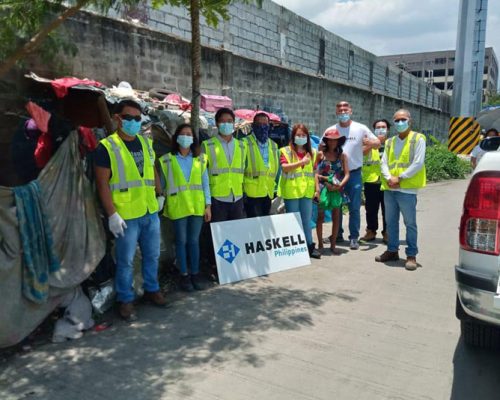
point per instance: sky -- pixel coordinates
(386, 27)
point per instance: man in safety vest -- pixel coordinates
(261, 169)
(226, 158)
(371, 174)
(403, 173)
(127, 182)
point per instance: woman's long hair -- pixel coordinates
(307, 146)
(195, 147)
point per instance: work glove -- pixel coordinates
(117, 225)
(161, 202)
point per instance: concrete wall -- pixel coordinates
(268, 57)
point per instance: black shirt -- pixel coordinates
(101, 155)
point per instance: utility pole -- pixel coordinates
(463, 132)
(469, 58)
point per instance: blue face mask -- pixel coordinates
(226, 128)
(185, 141)
(344, 117)
(300, 140)
(261, 132)
(131, 128)
(402, 126)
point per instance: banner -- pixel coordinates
(251, 247)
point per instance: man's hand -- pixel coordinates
(161, 203)
(117, 225)
(393, 182)
(208, 213)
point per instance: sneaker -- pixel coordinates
(196, 282)
(387, 256)
(339, 239)
(369, 236)
(354, 244)
(127, 312)
(313, 253)
(411, 263)
(155, 298)
(186, 284)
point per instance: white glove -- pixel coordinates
(117, 225)
(161, 202)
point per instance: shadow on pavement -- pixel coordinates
(476, 373)
(143, 360)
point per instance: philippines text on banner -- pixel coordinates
(252, 247)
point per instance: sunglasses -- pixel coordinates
(401, 120)
(128, 117)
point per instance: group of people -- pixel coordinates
(224, 179)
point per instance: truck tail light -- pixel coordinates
(480, 223)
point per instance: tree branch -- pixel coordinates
(36, 40)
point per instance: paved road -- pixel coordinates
(343, 328)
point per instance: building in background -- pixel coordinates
(438, 68)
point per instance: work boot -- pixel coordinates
(196, 282)
(411, 263)
(385, 238)
(127, 312)
(155, 298)
(186, 284)
(369, 236)
(387, 256)
(313, 253)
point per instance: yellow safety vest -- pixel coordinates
(133, 195)
(183, 198)
(300, 182)
(398, 165)
(225, 178)
(371, 167)
(260, 179)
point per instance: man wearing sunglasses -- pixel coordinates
(127, 182)
(403, 173)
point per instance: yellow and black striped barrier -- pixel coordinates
(463, 134)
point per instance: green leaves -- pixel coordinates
(441, 164)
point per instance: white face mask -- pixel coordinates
(380, 131)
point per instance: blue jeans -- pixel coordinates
(396, 202)
(145, 231)
(304, 206)
(187, 239)
(353, 188)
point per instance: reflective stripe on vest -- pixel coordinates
(183, 198)
(133, 193)
(122, 184)
(224, 177)
(405, 159)
(300, 182)
(260, 179)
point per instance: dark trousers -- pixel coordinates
(222, 211)
(374, 199)
(257, 206)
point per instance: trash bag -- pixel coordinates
(79, 241)
(330, 200)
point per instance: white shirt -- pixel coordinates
(415, 166)
(477, 153)
(353, 147)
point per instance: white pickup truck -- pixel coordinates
(478, 271)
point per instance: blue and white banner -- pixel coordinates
(252, 247)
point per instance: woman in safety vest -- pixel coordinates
(187, 192)
(298, 184)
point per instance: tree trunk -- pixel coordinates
(36, 40)
(195, 65)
